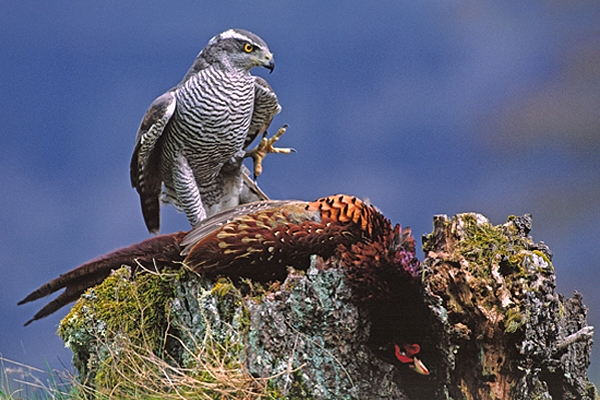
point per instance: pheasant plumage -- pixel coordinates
(261, 244)
(260, 240)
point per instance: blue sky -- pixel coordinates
(425, 108)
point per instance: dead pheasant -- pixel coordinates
(259, 240)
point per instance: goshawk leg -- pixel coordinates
(264, 147)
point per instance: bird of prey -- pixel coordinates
(191, 142)
(259, 241)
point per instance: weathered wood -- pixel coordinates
(503, 331)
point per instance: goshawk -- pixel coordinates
(192, 140)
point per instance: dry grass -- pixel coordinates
(179, 365)
(215, 374)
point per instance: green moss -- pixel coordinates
(543, 256)
(121, 305)
(222, 287)
(513, 320)
(161, 335)
(561, 309)
(124, 312)
(299, 390)
(501, 265)
(482, 242)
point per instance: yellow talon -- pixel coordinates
(265, 147)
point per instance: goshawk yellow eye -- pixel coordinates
(248, 48)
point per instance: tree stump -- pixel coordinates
(500, 328)
(487, 319)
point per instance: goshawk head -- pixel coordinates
(237, 48)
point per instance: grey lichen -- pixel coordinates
(314, 330)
